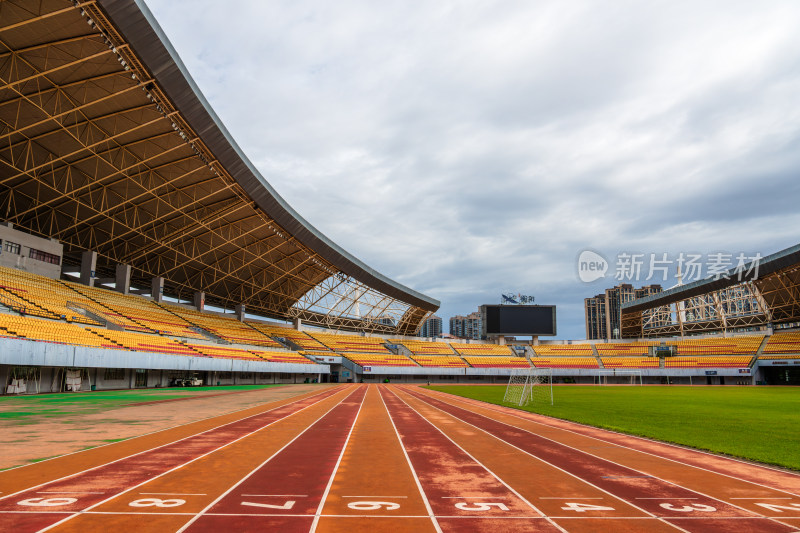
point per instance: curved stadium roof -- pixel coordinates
(107, 144)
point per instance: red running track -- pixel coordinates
(401, 458)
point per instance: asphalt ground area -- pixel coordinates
(352, 458)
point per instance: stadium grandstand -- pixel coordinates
(115, 172)
(140, 246)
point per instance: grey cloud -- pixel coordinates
(468, 148)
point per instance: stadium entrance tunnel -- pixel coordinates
(781, 375)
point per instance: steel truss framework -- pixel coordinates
(769, 300)
(95, 153)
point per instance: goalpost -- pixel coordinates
(530, 386)
(628, 377)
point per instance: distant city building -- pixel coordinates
(603, 312)
(466, 327)
(432, 327)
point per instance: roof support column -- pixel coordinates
(239, 312)
(157, 289)
(200, 300)
(88, 266)
(123, 279)
(297, 324)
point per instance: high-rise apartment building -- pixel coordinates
(603, 312)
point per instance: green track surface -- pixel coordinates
(35, 407)
(756, 423)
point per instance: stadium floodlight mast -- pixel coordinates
(530, 386)
(603, 375)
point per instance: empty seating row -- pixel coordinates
(497, 361)
(143, 342)
(709, 362)
(424, 347)
(612, 349)
(50, 331)
(447, 361)
(481, 349)
(630, 362)
(223, 327)
(36, 295)
(297, 337)
(282, 357)
(783, 343)
(565, 362)
(351, 343)
(222, 352)
(723, 346)
(576, 350)
(136, 312)
(376, 359)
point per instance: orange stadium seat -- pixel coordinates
(614, 349)
(630, 362)
(708, 362)
(497, 361)
(137, 313)
(565, 362)
(50, 331)
(377, 359)
(783, 343)
(39, 296)
(144, 342)
(425, 347)
(224, 327)
(719, 346)
(447, 361)
(304, 341)
(481, 349)
(282, 357)
(575, 350)
(351, 343)
(222, 352)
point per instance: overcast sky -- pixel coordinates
(470, 148)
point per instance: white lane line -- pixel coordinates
(756, 513)
(374, 496)
(636, 437)
(666, 498)
(568, 498)
(275, 495)
(171, 494)
(509, 487)
(176, 468)
(764, 498)
(336, 466)
(154, 448)
(66, 492)
(434, 521)
(473, 497)
(570, 474)
(256, 469)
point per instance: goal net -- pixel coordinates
(619, 377)
(530, 386)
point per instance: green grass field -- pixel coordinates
(757, 423)
(27, 408)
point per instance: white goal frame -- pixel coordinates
(523, 386)
(619, 373)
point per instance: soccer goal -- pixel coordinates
(619, 377)
(530, 386)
